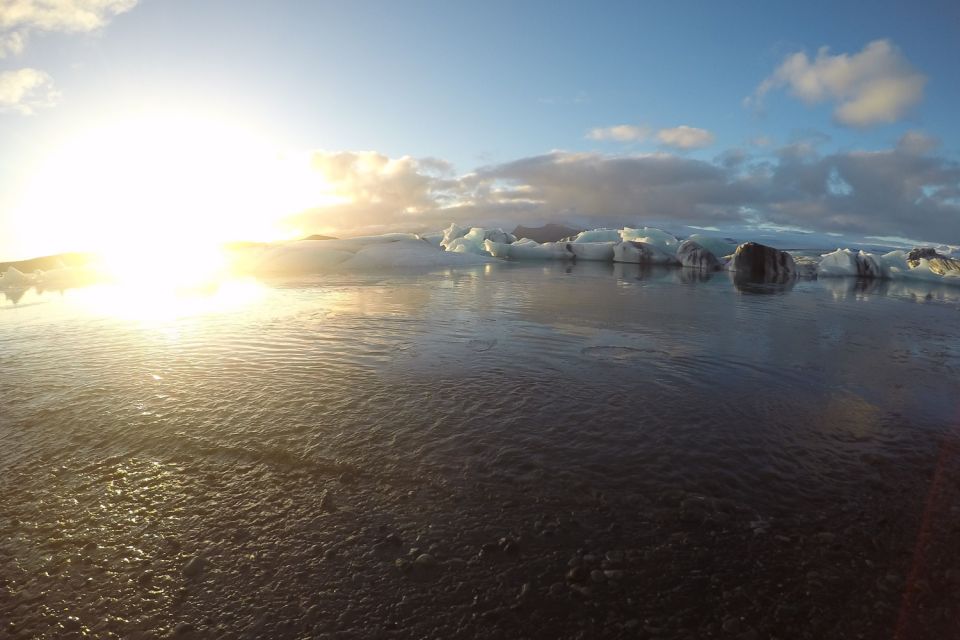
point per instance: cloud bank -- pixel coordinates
(878, 85)
(903, 191)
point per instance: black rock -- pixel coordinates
(759, 262)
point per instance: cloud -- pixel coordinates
(26, 90)
(917, 142)
(67, 16)
(878, 85)
(684, 137)
(890, 192)
(620, 133)
(12, 44)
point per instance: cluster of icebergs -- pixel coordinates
(647, 245)
(466, 246)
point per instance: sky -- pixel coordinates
(171, 121)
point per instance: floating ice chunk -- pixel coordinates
(641, 253)
(529, 250)
(479, 234)
(467, 245)
(13, 278)
(902, 264)
(598, 235)
(694, 256)
(453, 232)
(408, 254)
(760, 262)
(806, 267)
(844, 262)
(434, 238)
(592, 251)
(939, 264)
(651, 235)
(65, 277)
(717, 246)
(299, 257)
(355, 244)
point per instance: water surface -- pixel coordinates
(723, 441)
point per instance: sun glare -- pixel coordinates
(156, 196)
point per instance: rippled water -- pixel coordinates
(650, 387)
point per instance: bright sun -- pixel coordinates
(157, 195)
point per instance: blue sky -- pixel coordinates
(501, 87)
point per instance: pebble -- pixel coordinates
(425, 560)
(557, 589)
(597, 576)
(577, 574)
(182, 628)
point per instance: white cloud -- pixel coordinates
(684, 137)
(26, 90)
(12, 44)
(875, 86)
(69, 16)
(620, 133)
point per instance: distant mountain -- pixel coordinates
(319, 237)
(547, 233)
(46, 263)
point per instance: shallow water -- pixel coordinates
(575, 410)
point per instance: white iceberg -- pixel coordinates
(598, 235)
(652, 236)
(717, 246)
(844, 262)
(642, 253)
(13, 278)
(408, 254)
(298, 257)
(527, 249)
(592, 251)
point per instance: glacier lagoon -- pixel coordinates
(502, 450)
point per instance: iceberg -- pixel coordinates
(694, 256)
(651, 235)
(466, 245)
(642, 253)
(717, 246)
(13, 278)
(298, 257)
(844, 262)
(453, 232)
(592, 251)
(598, 235)
(408, 254)
(529, 250)
(921, 265)
(760, 262)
